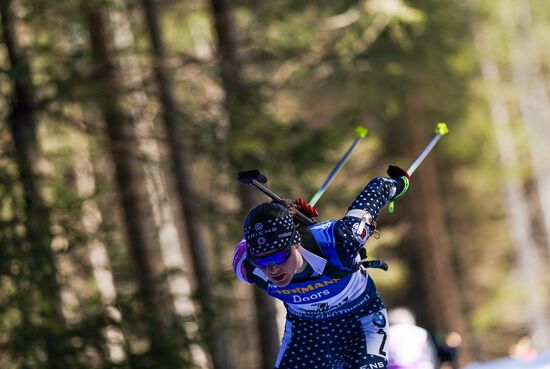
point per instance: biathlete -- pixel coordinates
(335, 318)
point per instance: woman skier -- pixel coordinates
(335, 318)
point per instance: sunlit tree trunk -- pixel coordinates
(42, 265)
(130, 179)
(529, 261)
(242, 111)
(97, 253)
(171, 246)
(140, 106)
(143, 113)
(216, 335)
(534, 101)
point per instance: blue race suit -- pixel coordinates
(332, 322)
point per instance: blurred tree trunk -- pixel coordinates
(42, 265)
(534, 101)
(142, 112)
(98, 255)
(529, 266)
(130, 179)
(168, 254)
(216, 334)
(244, 113)
(437, 272)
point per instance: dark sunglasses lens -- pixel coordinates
(278, 258)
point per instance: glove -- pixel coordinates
(307, 209)
(396, 172)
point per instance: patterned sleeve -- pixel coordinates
(352, 231)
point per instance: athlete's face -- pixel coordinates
(281, 274)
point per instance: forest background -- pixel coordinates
(124, 123)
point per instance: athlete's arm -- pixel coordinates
(352, 231)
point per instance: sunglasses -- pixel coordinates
(279, 257)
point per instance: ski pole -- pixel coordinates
(255, 178)
(360, 133)
(440, 131)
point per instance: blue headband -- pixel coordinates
(271, 234)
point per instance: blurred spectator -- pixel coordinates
(410, 346)
(448, 349)
(523, 349)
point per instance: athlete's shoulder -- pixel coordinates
(244, 270)
(322, 226)
(239, 261)
(323, 232)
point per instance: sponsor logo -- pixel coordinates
(283, 235)
(307, 289)
(378, 319)
(313, 297)
(373, 366)
(360, 236)
(260, 232)
(258, 226)
(324, 225)
(336, 312)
